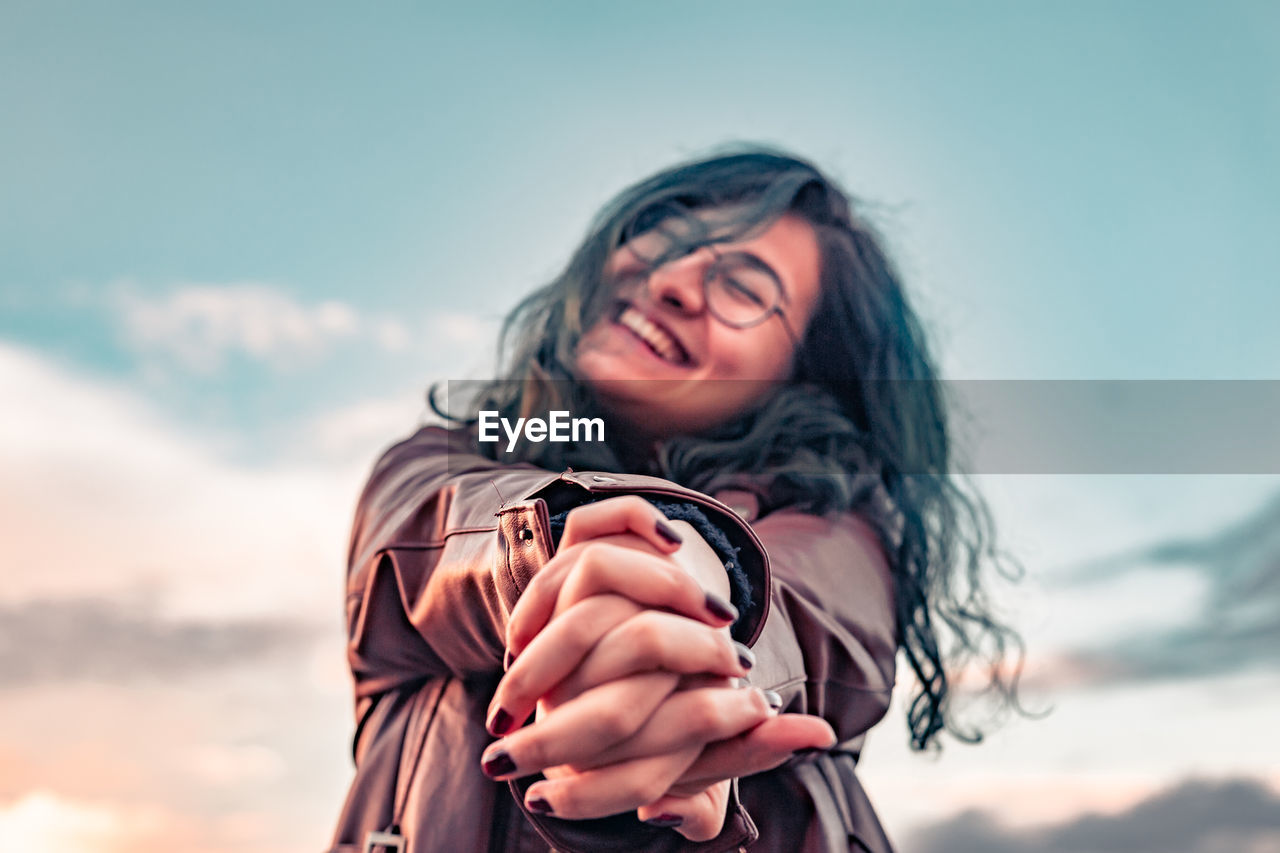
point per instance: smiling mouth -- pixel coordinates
(659, 341)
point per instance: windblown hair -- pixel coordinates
(861, 426)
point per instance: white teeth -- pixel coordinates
(652, 334)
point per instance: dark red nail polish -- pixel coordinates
(745, 656)
(500, 722)
(498, 764)
(720, 608)
(665, 820)
(669, 533)
(539, 806)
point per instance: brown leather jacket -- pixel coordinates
(443, 545)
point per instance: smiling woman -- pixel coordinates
(693, 316)
(682, 633)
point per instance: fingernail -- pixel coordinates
(507, 659)
(774, 700)
(720, 608)
(665, 820)
(745, 656)
(499, 722)
(669, 533)
(537, 805)
(498, 764)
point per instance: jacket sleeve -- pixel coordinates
(829, 642)
(433, 572)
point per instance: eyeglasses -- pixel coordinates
(739, 289)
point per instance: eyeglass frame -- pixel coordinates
(713, 267)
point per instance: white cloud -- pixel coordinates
(1096, 750)
(256, 758)
(200, 325)
(463, 344)
(391, 336)
(101, 496)
(41, 820)
(358, 431)
(235, 765)
(47, 820)
(1055, 524)
(458, 327)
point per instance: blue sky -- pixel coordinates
(1083, 192)
(237, 242)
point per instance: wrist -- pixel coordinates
(700, 560)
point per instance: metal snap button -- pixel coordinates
(526, 534)
(600, 479)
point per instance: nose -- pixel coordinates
(678, 283)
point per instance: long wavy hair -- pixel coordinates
(862, 425)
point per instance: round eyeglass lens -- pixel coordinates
(739, 294)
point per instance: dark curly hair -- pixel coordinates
(862, 426)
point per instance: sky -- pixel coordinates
(238, 242)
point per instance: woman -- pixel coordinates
(775, 470)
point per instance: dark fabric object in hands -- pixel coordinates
(740, 586)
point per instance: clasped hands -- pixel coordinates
(621, 645)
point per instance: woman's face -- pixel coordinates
(664, 363)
